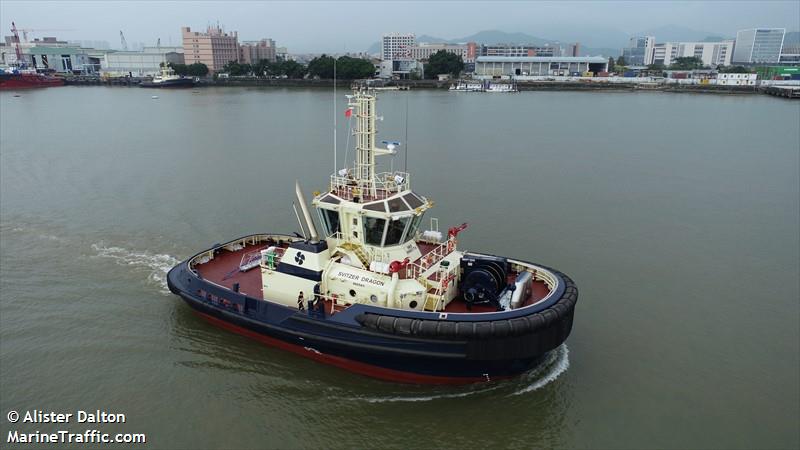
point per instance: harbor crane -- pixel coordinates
(122, 41)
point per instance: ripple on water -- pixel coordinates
(555, 364)
(158, 263)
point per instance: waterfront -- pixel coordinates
(676, 214)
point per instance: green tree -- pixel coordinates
(321, 67)
(733, 69)
(656, 67)
(237, 69)
(293, 69)
(611, 63)
(180, 69)
(196, 70)
(443, 62)
(621, 61)
(348, 68)
(687, 63)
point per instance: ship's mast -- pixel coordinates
(363, 103)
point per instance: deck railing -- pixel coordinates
(386, 184)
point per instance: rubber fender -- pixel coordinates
(521, 325)
(428, 327)
(536, 322)
(465, 329)
(483, 330)
(446, 329)
(402, 325)
(501, 328)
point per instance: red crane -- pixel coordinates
(17, 50)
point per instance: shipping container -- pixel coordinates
(602, 74)
(629, 74)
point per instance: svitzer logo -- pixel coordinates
(299, 258)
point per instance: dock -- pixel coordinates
(784, 91)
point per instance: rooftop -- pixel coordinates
(590, 59)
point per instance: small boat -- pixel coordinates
(373, 292)
(21, 79)
(168, 79)
(502, 87)
(465, 86)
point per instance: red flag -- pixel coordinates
(348, 112)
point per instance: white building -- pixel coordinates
(711, 53)
(58, 59)
(639, 51)
(424, 51)
(137, 64)
(523, 66)
(397, 46)
(737, 79)
(759, 45)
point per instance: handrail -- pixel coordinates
(385, 185)
(430, 259)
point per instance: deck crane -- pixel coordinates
(17, 50)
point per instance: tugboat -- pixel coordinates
(373, 293)
(168, 79)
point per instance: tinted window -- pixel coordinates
(397, 204)
(373, 230)
(330, 199)
(377, 206)
(395, 232)
(412, 230)
(413, 201)
(332, 219)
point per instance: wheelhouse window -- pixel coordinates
(396, 230)
(330, 221)
(412, 230)
(373, 230)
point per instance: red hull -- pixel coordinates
(28, 81)
(369, 370)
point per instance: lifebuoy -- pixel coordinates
(451, 245)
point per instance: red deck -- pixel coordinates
(224, 271)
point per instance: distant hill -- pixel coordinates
(671, 33)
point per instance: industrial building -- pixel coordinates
(758, 46)
(514, 50)
(214, 48)
(710, 53)
(58, 59)
(522, 66)
(138, 64)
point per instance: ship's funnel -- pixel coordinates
(312, 230)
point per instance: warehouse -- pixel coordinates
(522, 66)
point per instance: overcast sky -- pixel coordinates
(317, 26)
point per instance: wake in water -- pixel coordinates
(159, 264)
(556, 363)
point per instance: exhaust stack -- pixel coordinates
(312, 230)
